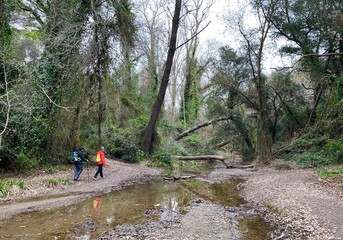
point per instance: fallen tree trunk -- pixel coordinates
(178, 177)
(211, 158)
(184, 134)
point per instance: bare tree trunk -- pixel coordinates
(150, 128)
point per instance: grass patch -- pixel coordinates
(55, 182)
(7, 186)
(275, 210)
(332, 172)
(282, 166)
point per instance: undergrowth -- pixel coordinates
(315, 152)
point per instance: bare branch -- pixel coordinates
(51, 101)
(309, 55)
(194, 35)
(8, 103)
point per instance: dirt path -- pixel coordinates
(37, 196)
(298, 202)
(310, 205)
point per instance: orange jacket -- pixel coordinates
(100, 154)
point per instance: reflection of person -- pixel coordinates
(100, 161)
(97, 202)
(78, 163)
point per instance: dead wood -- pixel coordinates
(211, 158)
(178, 177)
(184, 134)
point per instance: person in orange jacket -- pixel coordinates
(100, 161)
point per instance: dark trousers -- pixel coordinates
(78, 170)
(99, 171)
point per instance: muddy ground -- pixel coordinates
(296, 202)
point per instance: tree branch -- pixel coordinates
(310, 55)
(51, 101)
(193, 36)
(8, 104)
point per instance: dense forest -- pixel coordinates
(139, 78)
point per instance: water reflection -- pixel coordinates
(97, 202)
(89, 219)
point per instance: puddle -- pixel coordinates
(90, 218)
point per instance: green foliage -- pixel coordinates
(21, 184)
(33, 34)
(7, 186)
(192, 141)
(161, 159)
(315, 151)
(332, 172)
(140, 122)
(310, 159)
(309, 142)
(334, 150)
(175, 148)
(122, 144)
(25, 163)
(50, 169)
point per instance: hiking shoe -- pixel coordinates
(94, 178)
(76, 179)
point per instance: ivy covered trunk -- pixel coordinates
(264, 139)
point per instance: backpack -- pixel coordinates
(98, 158)
(74, 157)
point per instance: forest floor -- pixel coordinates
(299, 204)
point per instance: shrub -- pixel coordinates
(25, 163)
(161, 159)
(192, 141)
(123, 145)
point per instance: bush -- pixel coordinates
(161, 159)
(122, 144)
(26, 163)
